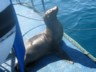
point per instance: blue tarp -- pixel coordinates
(19, 45)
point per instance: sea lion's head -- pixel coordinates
(51, 14)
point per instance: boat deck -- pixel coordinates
(28, 19)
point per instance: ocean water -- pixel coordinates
(78, 18)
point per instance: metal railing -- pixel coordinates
(32, 4)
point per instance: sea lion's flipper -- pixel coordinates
(62, 54)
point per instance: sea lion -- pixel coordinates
(46, 42)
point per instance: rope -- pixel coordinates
(81, 29)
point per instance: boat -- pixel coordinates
(7, 29)
(78, 38)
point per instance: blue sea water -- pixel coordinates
(78, 18)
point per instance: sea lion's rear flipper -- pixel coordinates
(62, 54)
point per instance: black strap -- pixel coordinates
(7, 20)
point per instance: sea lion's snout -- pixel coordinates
(51, 13)
(55, 9)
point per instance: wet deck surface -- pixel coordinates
(28, 19)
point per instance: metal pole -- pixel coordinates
(43, 4)
(13, 62)
(32, 4)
